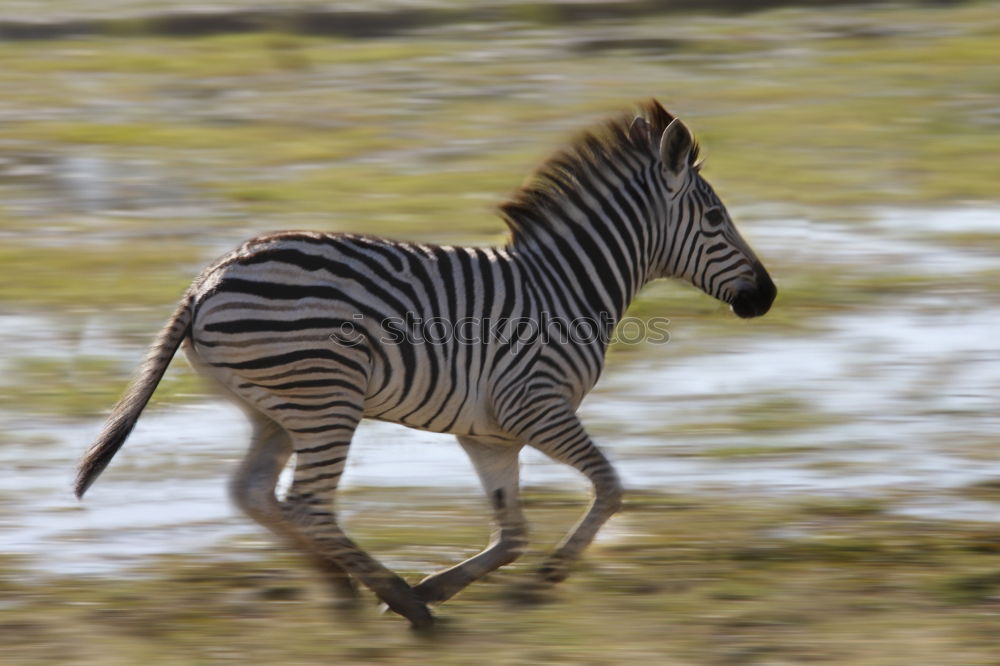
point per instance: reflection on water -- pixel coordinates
(885, 399)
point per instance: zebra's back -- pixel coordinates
(289, 318)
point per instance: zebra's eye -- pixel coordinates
(715, 217)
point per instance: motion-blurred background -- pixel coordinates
(818, 486)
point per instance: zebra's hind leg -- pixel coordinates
(321, 451)
(497, 466)
(253, 490)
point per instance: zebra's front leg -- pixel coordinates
(568, 442)
(497, 467)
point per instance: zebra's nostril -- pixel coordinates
(743, 305)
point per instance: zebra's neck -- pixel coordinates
(592, 250)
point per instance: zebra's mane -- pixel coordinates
(610, 145)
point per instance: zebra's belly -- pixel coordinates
(441, 396)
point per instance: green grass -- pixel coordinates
(459, 203)
(134, 273)
(686, 580)
(758, 417)
(756, 451)
(84, 386)
(235, 140)
(206, 58)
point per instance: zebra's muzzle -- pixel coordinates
(754, 300)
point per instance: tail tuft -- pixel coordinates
(104, 448)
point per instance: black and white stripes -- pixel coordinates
(311, 332)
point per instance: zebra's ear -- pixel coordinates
(676, 145)
(640, 132)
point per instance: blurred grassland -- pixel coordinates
(833, 107)
(199, 142)
(833, 122)
(676, 580)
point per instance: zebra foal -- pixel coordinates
(310, 332)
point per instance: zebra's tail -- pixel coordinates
(125, 414)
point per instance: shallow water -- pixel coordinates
(897, 401)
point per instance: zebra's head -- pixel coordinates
(700, 243)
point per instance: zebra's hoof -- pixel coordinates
(553, 572)
(418, 614)
(422, 623)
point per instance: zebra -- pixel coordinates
(310, 332)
